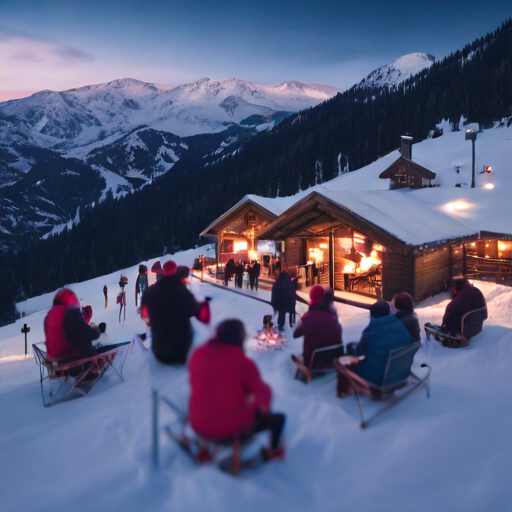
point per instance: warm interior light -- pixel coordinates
(486, 245)
(373, 254)
(323, 246)
(253, 255)
(473, 244)
(316, 255)
(502, 246)
(240, 246)
(366, 263)
(489, 186)
(487, 256)
(349, 269)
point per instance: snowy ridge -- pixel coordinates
(399, 70)
(78, 120)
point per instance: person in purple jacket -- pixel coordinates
(319, 326)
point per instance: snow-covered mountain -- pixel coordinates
(399, 70)
(78, 120)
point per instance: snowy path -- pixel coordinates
(450, 453)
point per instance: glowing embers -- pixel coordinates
(268, 339)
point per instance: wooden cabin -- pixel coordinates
(236, 232)
(375, 243)
(404, 172)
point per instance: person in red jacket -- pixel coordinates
(319, 326)
(66, 332)
(228, 396)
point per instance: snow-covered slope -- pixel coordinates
(399, 70)
(449, 453)
(77, 120)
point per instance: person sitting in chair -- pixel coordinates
(467, 298)
(228, 397)
(66, 332)
(384, 333)
(406, 314)
(319, 326)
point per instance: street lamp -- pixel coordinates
(471, 135)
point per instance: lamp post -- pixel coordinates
(471, 135)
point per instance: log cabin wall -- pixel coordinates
(432, 272)
(397, 274)
(293, 252)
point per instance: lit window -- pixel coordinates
(240, 246)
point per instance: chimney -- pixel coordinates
(406, 148)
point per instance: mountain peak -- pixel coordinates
(399, 70)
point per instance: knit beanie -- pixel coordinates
(231, 332)
(66, 297)
(379, 309)
(404, 302)
(169, 268)
(316, 294)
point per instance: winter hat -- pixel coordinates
(143, 269)
(316, 294)
(181, 272)
(87, 313)
(157, 268)
(169, 268)
(379, 309)
(459, 283)
(231, 332)
(404, 302)
(66, 297)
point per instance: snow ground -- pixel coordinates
(449, 453)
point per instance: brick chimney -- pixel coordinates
(406, 148)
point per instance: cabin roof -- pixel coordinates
(269, 208)
(408, 167)
(379, 213)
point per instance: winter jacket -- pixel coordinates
(410, 320)
(283, 294)
(320, 329)
(467, 299)
(378, 339)
(170, 305)
(67, 334)
(222, 379)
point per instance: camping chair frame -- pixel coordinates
(198, 449)
(56, 374)
(309, 372)
(441, 337)
(397, 360)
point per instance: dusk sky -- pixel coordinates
(53, 44)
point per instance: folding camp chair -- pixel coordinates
(61, 377)
(397, 375)
(322, 361)
(470, 325)
(201, 450)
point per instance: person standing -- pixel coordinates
(283, 299)
(167, 307)
(142, 282)
(257, 271)
(105, 292)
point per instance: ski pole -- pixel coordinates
(25, 330)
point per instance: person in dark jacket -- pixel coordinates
(283, 298)
(239, 279)
(230, 269)
(467, 298)
(406, 315)
(383, 334)
(319, 326)
(105, 292)
(167, 307)
(228, 396)
(257, 272)
(66, 332)
(142, 283)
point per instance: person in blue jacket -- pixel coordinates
(384, 333)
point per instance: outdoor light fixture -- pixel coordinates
(489, 186)
(471, 135)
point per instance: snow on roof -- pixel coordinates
(399, 215)
(275, 206)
